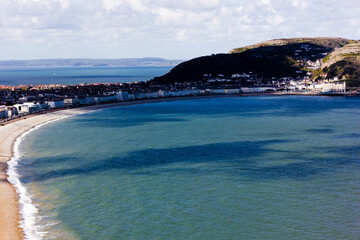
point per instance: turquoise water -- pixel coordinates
(226, 168)
(76, 75)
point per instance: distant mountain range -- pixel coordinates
(85, 62)
(319, 58)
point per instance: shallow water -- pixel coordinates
(227, 168)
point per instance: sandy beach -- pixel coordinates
(9, 207)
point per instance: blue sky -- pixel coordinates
(34, 29)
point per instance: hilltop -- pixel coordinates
(294, 58)
(324, 42)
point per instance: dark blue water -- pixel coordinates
(231, 168)
(77, 75)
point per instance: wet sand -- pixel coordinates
(9, 206)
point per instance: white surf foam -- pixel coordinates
(30, 218)
(28, 210)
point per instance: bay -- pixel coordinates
(226, 168)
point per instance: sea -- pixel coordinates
(15, 76)
(264, 167)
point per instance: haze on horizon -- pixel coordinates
(45, 29)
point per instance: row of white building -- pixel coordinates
(31, 107)
(324, 87)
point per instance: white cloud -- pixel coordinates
(264, 2)
(65, 3)
(175, 29)
(110, 5)
(188, 4)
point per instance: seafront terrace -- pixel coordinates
(21, 101)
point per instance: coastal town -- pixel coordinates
(312, 76)
(218, 119)
(27, 99)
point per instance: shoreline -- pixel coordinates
(168, 99)
(10, 208)
(11, 219)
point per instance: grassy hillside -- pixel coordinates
(324, 42)
(343, 63)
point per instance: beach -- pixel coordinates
(9, 206)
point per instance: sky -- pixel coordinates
(173, 29)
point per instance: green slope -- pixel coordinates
(324, 42)
(344, 63)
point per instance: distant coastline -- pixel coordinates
(90, 62)
(73, 75)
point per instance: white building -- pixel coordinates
(334, 87)
(3, 112)
(171, 94)
(131, 96)
(71, 101)
(56, 103)
(147, 95)
(161, 94)
(12, 112)
(189, 92)
(86, 100)
(257, 89)
(26, 108)
(232, 91)
(217, 91)
(122, 96)
(106, 98)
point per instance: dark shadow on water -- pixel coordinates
(310, 166)
(320, 130)
(247, 160)
(291, 106)
(125, 122)
(239, 152)
(350, 135)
